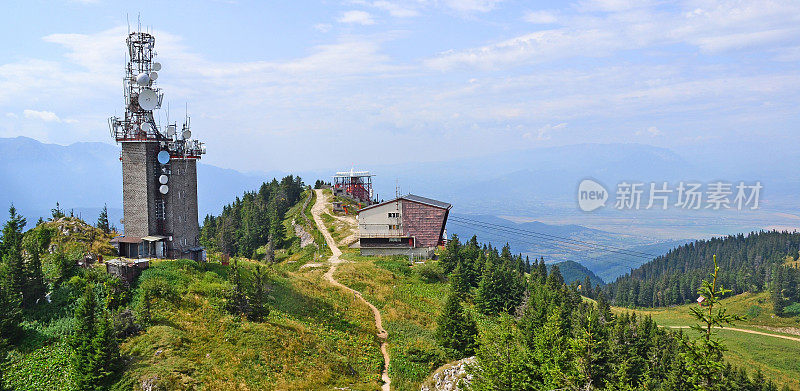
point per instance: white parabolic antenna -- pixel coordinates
(170, 130)
(146, 127)
(153, 76)
(143, 79)
(163, 189)
(156, 66)
(163, 157)
(148, 99)
(163, 179)
(187, 134)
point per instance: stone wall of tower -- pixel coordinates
(181, 207)
(139, 187)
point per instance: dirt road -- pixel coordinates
(747, 331)
(316, 211)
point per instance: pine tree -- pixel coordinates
(56, 213)
(258, 297)
(459, 282)
(35, 287)
(704, 356)
(104, 356)
(10, 313)
(237, 303)
(83, 336)
(455, 329)
(501, 288)
(12, 251)
(554, 279)
(451, 255)
(778, 282)
(102, 220)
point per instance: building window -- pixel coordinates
(394, 226)
(394, 214)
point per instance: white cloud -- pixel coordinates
(395, 9)
(708, 25)
(472, 5)
(537, 47)
(46, 116)
(540, 17)
(545, 132)
(651, 131)
(11, 115)
(356, 17)
(612, 5)
(323, 27)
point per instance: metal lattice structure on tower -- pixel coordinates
(159, 172)
(353, 184)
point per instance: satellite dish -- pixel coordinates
(187, 134)
(153, 76)
(170, 130)
(156, 66)
(146, 127)
(163, 157)
(163, 189)
(143, 79)
(148, 99)
(163, 179)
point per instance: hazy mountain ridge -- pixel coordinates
(575, 272)
(85, 176)
(557, 243)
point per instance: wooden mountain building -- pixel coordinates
(407, 225)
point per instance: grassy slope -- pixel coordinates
(304, 344)
(776, 357)
(409, 307)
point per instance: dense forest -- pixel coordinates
(538, 333)
(785, 290)
(748, 263)
(252, 221)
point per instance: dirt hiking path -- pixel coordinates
(746, 331)
(316, 211)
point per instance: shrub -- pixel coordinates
(430, 272)
(793, 309)
(753, 312)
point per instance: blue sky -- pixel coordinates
(283, 85)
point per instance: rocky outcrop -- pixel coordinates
(450, 377)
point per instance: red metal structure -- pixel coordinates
(353, 184)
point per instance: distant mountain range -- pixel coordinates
(604, 253)
(85, 176)
(532, 190)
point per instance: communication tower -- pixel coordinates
(159, 165)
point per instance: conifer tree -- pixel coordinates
(56, 213)
(459, 282)
(778, 283)
(104, 356)
(258, 297)
(102, 220)
(35, 287)
(12, 253)
(83, 336)
(10, 313)
(554, 279)
(704, 356)
(455, 328)
(451, 255)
